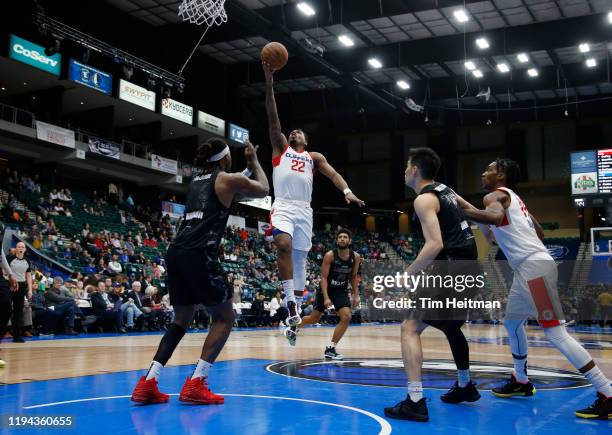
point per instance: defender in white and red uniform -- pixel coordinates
(291, 215)
(534, 288)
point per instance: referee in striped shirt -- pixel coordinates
(20, 266)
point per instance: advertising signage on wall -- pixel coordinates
(591, 178)
(34, 55)
(177, 110)
(136, 94)
(90, 77)
(211, 123)
(238, 134)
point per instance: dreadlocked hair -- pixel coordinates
(511, 170)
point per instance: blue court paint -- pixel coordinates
(247, 412)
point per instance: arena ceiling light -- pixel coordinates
(610, 17)
(503, 67)
(482, 43)
(591, 62)
(461, 16)
(403, 84)
(532, 72)
(374, 63)
(584, 47)
(522, 58)
(306, 9)
(470, 66)
(346, 40)
(477, 73)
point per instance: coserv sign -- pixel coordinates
(33, 54)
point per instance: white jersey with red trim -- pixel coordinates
(292, 175)
(516, 235)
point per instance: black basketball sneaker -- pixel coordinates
(601, 409)
(458, 394)
(409, 410)
(513, 388)
(330, 353)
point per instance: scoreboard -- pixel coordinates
(591, 175)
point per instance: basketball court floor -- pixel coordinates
(271, 387)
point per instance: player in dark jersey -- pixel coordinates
(339, 270)
(194, 272)
(448, 238)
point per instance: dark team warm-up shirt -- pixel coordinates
(340, 272)
(205, 217)
(457, 237)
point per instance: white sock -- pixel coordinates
(201, 370)
(154, 370)
(332, 344)
(415, 391)
(289, 290)
(520, 369)
(463, 377)
(599, 381)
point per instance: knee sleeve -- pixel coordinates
(299, 269)
(568, 346)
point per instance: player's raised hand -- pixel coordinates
(250, 152)
(350, 197)
(268, 71)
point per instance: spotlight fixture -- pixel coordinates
(469, 65)
(53, 47)
(375, 63)
(482, 43)
(306, 9)
(346, 40)
(461, 16)
(127, 71)
(584, 47)
(522, 58)
(610, 17)
(532, 72)
(403, 85)
(591, 62)
(477, 73)
(503, 67)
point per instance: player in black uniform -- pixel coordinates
(448, 238)
(339, 270)
(194, 272)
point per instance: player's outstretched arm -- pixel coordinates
(277, 138)
(239, 184)
(326, 169)
(426, 207)
(494, 210)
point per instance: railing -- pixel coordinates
(15, 115)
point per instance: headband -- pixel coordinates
(216, 157)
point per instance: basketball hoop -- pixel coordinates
(209, 12)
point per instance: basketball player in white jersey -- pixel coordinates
(291, 216)
(534, 288)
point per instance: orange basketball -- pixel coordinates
(275, 54)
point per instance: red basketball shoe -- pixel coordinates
(146, 392)
(197, 391)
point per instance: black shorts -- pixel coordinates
(195, 277)
(339, 298)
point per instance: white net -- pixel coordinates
(211, 12)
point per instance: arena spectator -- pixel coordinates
(62, 304)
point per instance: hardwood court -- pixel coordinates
(45, 359)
